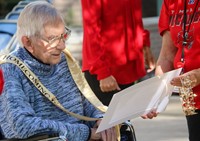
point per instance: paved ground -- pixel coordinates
(168, 126)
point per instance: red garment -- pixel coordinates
(1, 81)
(171, 19)
(113, 39)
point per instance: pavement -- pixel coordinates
(170, 125)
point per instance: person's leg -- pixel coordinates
(104, 97)
(193, 123)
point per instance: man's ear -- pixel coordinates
(27, 43)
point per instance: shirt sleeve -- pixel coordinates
(146, 38)
(1, 81)
(18, 119)
(91, 10)
(163, 23)
(91, 111)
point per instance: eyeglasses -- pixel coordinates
(56, 40)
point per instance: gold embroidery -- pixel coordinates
(187, 96)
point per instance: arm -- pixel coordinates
(164, 63)
(148, 56)
(167, 54)
(92, 21)
(19, 118)
(149, 59)
(91, 111)
(19, 114)
(168, 50)
(94, 48)
(1, 81)
(146, 38)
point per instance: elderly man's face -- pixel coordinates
(49, 46)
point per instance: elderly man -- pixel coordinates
(38, 79)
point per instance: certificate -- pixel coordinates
(139, 99)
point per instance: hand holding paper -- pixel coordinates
(139, 99)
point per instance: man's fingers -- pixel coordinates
(103, 136)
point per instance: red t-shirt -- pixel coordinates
(171, 18)
(113, 39)
(1, 81)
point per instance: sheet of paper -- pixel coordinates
(139, 99)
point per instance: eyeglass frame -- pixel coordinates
(68, 32)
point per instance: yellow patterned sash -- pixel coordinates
(33, 78)
(78, 78)
(82, 83)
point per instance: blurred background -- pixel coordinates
(6, 6)
(71, 10)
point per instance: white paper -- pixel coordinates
(139, 99)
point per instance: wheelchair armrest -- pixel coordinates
(46, 136)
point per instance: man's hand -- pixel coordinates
(107, 135)
(149, 59)
(109, 84)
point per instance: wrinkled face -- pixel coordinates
(48, 46)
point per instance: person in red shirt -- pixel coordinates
(114, 45)
(179, 26)
(1, 89)
(1, 81)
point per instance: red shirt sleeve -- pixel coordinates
(163, 24)
(1, 81)
(146, 38)
(91, 10)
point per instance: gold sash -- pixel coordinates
(33, 78)
(78, 78)
(82, 83)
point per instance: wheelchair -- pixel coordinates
(127, 134)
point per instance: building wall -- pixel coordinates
(149, 8)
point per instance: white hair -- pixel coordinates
(34, 17)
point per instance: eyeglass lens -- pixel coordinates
(64, 37)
